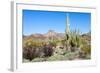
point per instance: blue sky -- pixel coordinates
(35, 21)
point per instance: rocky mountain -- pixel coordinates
(54, 34)
(50, 34)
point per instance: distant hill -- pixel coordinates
(52, 34)
(49, 34)
(87, 36)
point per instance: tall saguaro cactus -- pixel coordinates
(67, 33)
(67, 24)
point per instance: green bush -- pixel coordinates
(86, 49)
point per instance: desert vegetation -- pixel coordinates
(73, 46)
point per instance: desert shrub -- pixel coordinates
(86, 49)
(31, 53)
(86, 46)
(28, 53)
(28, 50)
(39, 59)
(48, 50)
(56, 57)
(53, 43)
(33, 49)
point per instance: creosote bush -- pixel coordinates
(33, 50)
